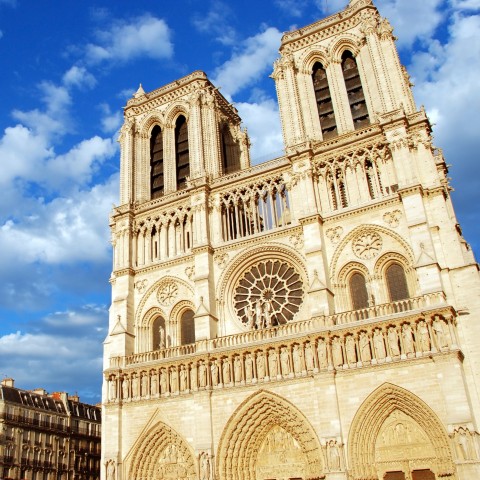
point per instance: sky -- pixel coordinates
(66, 70)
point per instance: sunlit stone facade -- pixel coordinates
(314, 316)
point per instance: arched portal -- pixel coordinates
(395, 435)
(162, 455)
(268, 438)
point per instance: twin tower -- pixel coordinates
(304, 318)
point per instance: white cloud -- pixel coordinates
(263, 122)
(466, 4)
(145, 36)
(293, 7)
(216, 21)
(111, 122)
(79, 77)
(249, 63)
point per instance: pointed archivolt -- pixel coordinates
(373, 419)
(263, 427)
(162, 454)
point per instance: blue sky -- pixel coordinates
(67, 69)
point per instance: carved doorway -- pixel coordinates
(280, 457)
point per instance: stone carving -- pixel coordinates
(153, 384)
(167, 293)
(111, 470)
(464, 442)
(214, 372)
(163, 382)
(392, 218)
(135, 386)
(205, 466)
(350, 349)
(322, 353)
(333, 456)
(367, 245)
(260, 366)
(190, 272)
(226, 371)
(193, 376)
(285, 361)
(144, 389)
(297, 241)
(379, 345)
(237, 367)
(334, 234)
(393, 341)
(248, 367)
(112, 389)
(172, 463)
(364, 343)
(297, 359)
(125, 387)
(423, 336)
(183, 378)
(221, 259)
(272, 363)
(438, 327)
(337, 353)
(202, 375)
(268, 294)
(173, 380)
(161, 335)
(407, 339)
(141, 285)
(309, 360)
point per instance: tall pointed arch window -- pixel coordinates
(156, 163)
(396, 282)
(356, 97)
(323, 98)
(230, 151)
(358, 291)
(187, 328)
(159, 334)
(182, 159)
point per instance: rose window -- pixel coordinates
(268, 294)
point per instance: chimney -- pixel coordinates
(39, 391)
(8, 382)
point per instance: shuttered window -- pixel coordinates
(182, 152)
(356, 97)
(323, 98)
(156, 163)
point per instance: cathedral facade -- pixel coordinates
(311, 317)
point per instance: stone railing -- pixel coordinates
(278, 358)
(315, 324)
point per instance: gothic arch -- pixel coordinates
(311, 56)
(346, 42)
(147, 124)
(162, 448)
(335, 267)
(248, 427)
(372, 414)
(248, 258)
(176, 109)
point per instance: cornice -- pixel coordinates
(155, 266)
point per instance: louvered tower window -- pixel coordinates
(156, 163)
(326, 114)
(356, 97)
(396, 282)
(182, 153)
(230, 153)
(187, 332)
(358, 291)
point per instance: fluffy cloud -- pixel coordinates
(79, 77)
(215, 22)
(145, 36)
(254, 59)
(111, 122)
(293, 7)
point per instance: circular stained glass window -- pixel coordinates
(268, 294)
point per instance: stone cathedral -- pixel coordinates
(312, 317)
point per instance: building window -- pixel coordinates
(396, 282)
(230, 151)
(358, 291)
(323, 98)
(187, 328)
(182, 152)
(156, 163)
(356, 97)
(158, 333)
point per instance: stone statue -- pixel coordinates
(193, 376)
(379, 345)
(297, 359)
(333, 456)
(424, 336)
(250, 314)
(309, 361)
(205, 466)
(258, 315)
(272, 363)
(163, 381)
(437, 326)
(393, 341)
(260, 365)
(226, 371)
(322, 353)
(365, 352)
(153, 383)
(407, 339)
(202, 375)
(350, 349)
(237, 366)
(183, 379)
(337, 352)
(125, 387)
(463, 445)
(144, 385)
(285, 361)
(248, 367)
(111, 470)
(267, 313)
(173, 380)
(161, 334)
(112, 389)
(135, 391)
(214, 373)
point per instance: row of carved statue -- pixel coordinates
(335, 350)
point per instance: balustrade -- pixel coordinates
(339, 347)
